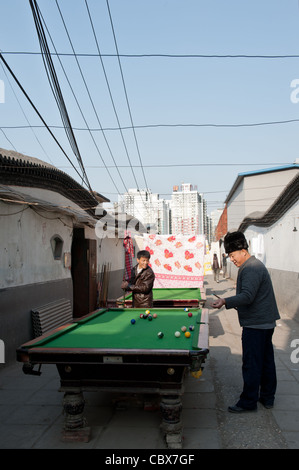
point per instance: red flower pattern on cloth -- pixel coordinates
(188, 255)
(188, 268)
(177, 260)
(168, 254)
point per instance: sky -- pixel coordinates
(158, 92)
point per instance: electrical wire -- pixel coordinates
(80, 109)
(25, 116)
(125, 90)
(7, 139)
(92, 103)
(37, 112)
(84, 81)
(151, 126)
(174, 56)
(109, 91)
(54, 84)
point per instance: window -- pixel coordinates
(57, 245)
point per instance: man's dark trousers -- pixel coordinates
(259, 372)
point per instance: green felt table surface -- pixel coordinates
(175, 293)
(112, 328)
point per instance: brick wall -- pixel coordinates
(221, 228)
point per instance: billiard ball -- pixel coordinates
(189, 314)
(133, 321)
(150, 317)
(183, 328)
(187, 334)
(155, 315)
(145, 316)
(160, 334)
(186, 309)
(141, 315)
(147, 312)
(191, 327)
(177, 334)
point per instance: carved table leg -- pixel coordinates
(75, 425)
(171, 407)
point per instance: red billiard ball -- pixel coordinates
(189, 314)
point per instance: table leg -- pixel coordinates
(171, 407)
(75, 425)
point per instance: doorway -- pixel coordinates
(84, 273)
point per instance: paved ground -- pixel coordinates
(31, 411)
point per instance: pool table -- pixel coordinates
(104, 350)
(172, 297)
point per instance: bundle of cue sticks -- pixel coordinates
(103, 284)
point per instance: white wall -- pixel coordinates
(280, 242)
(279, 250)
(26, 255)
(256, 193)
(111, 250)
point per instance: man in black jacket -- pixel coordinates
(257, 312)
(141, 282)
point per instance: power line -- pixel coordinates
(54, 84)
(125, 90)
(152, 126)
(37, 112)
(74, 95)
(174, 165)
(8, 139)
(109, 90)
(171, 56)
(25, 116)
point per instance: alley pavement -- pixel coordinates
(31, 406)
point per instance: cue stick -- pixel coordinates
(220, 298)
(124, 278)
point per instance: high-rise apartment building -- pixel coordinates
(188, 211)
(185, 213)
(152, 211)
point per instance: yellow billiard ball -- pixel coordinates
(147, 312)
(187, 334)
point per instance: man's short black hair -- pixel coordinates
(235, 241)
(143, 254)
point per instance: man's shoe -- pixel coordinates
(238, 409)
(268, 406)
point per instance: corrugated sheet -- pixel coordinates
(50, 316)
